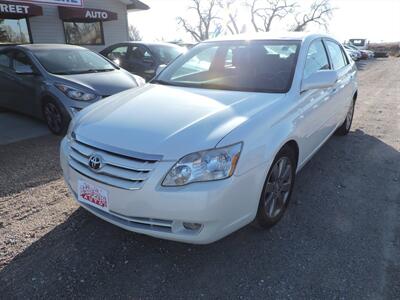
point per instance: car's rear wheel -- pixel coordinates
(344, 129)
(277, 189)
(56, 118)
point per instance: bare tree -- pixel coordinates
(231, 9)
(319, 13)
(3, 33)
(134, 33)
(266, 11)
(205, 22)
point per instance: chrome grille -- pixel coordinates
(118, 170)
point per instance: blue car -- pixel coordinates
(53, 82)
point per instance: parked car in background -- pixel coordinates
(184, 44)
(141, 58)
(361, 44)
(371, 53)
(53, 82)
(202, 151)
(354, 54)
(365, 54)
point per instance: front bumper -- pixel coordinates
(221, 207)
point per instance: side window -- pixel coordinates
(338, 60)
(317, 59)
(136, 53)
(21, 62)
(147, 55)
(118, 53)
(229, 59)
(5, 59)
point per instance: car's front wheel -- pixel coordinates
(277, 188)
(56, 118)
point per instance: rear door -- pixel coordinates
(342, 91)
(26, 85)
(315, 121)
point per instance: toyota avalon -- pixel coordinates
(214, 142)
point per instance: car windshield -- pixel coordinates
(72, 61)
(259, 66)
(166, 53)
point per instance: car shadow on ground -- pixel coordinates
(367, 63)
(362, 64)
(328, 243)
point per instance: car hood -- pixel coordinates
(104, 83)
(168, 121)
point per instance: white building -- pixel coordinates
(94, 24)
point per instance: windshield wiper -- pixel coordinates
(83, 71)
(63, 73)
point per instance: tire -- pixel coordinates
(277, 189)
(57, 119)
(344, 129)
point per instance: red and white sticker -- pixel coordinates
(93, 195)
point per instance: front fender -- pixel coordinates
(261, 139)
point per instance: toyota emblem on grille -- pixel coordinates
(95, 162)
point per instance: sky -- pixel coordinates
(376, 20)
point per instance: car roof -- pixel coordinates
(147, 43)
(297, 36)
(34, 47)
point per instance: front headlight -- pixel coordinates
(214, 164)
(74, 93)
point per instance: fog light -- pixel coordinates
(192, 226)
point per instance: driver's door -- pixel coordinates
(26, 84)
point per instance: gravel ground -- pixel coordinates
(339, 239)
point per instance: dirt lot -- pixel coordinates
(339, 239)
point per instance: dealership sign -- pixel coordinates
(17, 10)
(73, 3)
(86, 14)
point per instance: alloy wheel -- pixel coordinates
(278, 187)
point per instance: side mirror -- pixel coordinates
(160, 68)
(319, 80)
(24, 70)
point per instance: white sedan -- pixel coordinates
(215, 141)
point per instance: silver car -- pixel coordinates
(53, 82)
